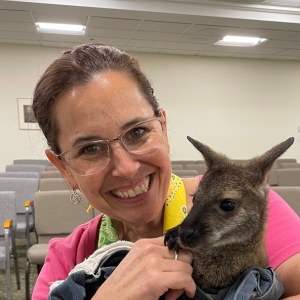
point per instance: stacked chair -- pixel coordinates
(26, 168)
(7, 237)
(291, 195)
(55, 216)
(31, 162)
(25, 189)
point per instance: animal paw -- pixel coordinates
(171, 239)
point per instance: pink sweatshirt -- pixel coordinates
(282, 242)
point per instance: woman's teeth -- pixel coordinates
(141, 189)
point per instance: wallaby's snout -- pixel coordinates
(187, 235)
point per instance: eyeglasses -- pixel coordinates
(92, 157)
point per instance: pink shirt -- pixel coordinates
(64, 254)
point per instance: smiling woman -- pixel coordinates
(108, 136)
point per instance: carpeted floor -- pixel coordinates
(21, 252)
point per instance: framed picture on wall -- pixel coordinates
(27, 120)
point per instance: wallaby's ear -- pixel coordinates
(209, 155)
(265, 161)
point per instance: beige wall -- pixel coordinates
(239, 107)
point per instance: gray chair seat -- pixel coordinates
(31, 162)
(26, 168)
(51, 174)
(21, 174)
(53, 184)
(37, 253)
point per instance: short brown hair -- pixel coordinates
(78, 66)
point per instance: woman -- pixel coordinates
(98, 93)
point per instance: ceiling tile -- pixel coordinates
(196, 39)
(15, 35)
(279, 57)
(112, 33)
(16, 26)
(290, 52)
(113, 23)
(234, 22)
(181, 52)
(263, 51)
(15, 16)
(216, 48)
(164, 27)
(140, 49)
(216, 54)
(59, 44)
(23, 42)
(148, 44)
(279, 44)
(245, 55)
(218, 31)
(187, 46)
(61, 38)
(106, 40)
(154, 36)
(58, 18)
(270, 34)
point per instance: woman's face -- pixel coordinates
(101, 109)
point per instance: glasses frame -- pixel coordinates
(61, 156)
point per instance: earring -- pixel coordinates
(75, 198)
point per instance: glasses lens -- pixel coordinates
(144, 137)
(89, 158)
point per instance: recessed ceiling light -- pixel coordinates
(239, 41)
(60, 28)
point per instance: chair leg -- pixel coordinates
(7, 266)
(8, 283)
(27, 273)
(14, 252)
(17, 272)
(39, 268)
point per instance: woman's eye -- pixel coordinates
(92, 149)
(227, 205)
(136, 133)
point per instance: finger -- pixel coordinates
(183, 255)
(180, 280)
(173, 294)
(170, 266)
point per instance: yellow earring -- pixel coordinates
(89, 208)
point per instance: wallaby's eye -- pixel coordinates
(227, 205)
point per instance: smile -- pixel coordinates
(139, 189)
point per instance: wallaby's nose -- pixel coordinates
(186, 235)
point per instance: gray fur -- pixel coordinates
(226, 243)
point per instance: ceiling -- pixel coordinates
(186, 27)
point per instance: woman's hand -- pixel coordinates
(147, 272)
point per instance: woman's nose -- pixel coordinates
(122, 162)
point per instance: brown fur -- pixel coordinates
(226, 243)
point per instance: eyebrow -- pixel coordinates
(91, 138)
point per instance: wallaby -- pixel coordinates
(225, 229)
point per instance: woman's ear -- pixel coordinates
(61, 166)
(165, 127)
